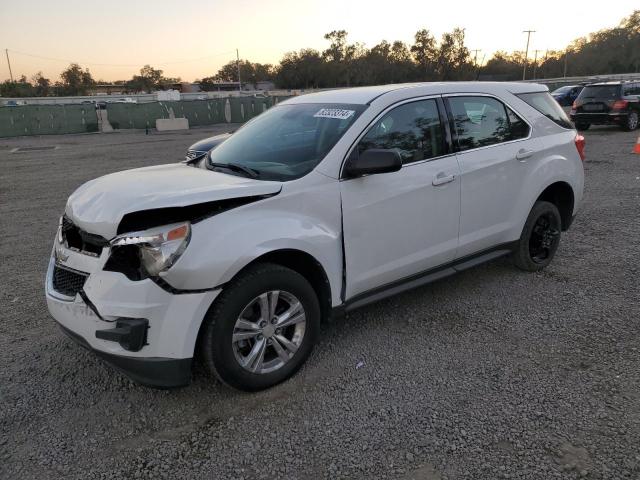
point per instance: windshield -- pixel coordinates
(604, 92)
(562, 90)
(286, 142)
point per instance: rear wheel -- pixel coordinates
(632, 121)
(261, 328)
(540, 238)
(582, 126)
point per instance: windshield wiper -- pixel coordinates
(236, 167)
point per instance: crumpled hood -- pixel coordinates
(99, 205)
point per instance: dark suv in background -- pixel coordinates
(607, 103)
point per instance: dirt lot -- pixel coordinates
(493, 373)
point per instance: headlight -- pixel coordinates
(159, 247)
(59, 236)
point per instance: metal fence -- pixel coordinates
(60, 119)
(47, 120)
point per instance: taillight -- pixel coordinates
(580, 143)
(620, 105)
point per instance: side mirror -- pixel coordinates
(372, 161)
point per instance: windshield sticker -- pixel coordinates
(338, 113)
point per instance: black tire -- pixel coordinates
(582, 126)
(216, 350)
(632, 122)
(538, 243)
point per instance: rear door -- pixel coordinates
(402, 223)
(495, 153)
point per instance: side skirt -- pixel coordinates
(423, 278)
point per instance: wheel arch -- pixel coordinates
(561, 194)
(301, 262)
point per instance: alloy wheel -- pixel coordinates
(543, 238)
(269, 331)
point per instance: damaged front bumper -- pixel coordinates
(138, 327)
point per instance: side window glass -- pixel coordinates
(413, 129)
(479, 121)
(483, 121)
(518, 128)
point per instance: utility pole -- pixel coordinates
(480, 66)
(526, 53)
(544, 62)
(475, 57)
(6, 51)
(535, 62)
(566, 55)
(238, 65)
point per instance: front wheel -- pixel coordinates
(540, 238)
(632, 122)
(261, 328)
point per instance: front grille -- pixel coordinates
(81, 241)
(194, 155)
(68, 282)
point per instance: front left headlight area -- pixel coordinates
(148, 253)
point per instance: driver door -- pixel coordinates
(402, 223)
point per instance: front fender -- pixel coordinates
(305, 219)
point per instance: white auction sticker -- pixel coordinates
(334, 113)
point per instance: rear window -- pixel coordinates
(601, 92)
(546, 105)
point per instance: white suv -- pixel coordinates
(322, 204)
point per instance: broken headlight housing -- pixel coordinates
(159, 248)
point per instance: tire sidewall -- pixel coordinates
(217, 345)
(628, 125)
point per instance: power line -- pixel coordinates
(116, 64)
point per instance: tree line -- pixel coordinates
(346, 64)
(76, 81)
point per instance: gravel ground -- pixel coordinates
(493, 373)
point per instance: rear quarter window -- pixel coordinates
(546, 105)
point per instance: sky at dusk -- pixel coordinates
(192, 38)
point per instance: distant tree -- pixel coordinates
(149, 80)
(425, 51)
(250, 73)
(303, 69)
(453, 61)
(41, 84)
(19, 88)
(75, 81)
(335, 57)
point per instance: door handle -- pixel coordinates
(523, 154)
(442, 178)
